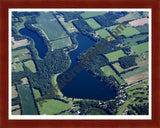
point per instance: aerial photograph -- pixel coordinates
(69, 62)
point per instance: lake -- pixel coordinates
(83, 85)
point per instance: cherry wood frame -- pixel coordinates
(6, 4)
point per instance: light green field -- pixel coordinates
(61, 43)
(113, 56)
(91, 22)
(139, 88)
(135, 72)
(108, 71)
(51, 106)
(142, 57)
(95, 111)
(141, 48)
(92, 14)
(30, 64)
(14, 92)
(104, 33)
(128, 31)
(17, 67)
(48, 23)
(21, 58)
(36, 93)
(20, 52)
(120, 69)
(27, 101)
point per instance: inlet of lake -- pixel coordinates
(83, 85)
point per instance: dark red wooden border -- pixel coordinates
(6, 4)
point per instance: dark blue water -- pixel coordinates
(84, 85)
(39, 43)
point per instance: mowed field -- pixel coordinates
(104, 33)
(113, 56)
(141, 48)
(108, 71)
(14, 92)
(17, 67)
(20, 43)
(139, 22)
(137, 94)
(91, 22)
(51, 106)
(27, 101)
(61, 43)
(128, 31)
(30, 64)
(20, 52)
(91, 14)
(21, 58)
(48, 23)
(36, 93)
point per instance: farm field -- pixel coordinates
(91, 22)
(91, 14)
(113, 56)
(141, 48)
(21, 58)
(20, 43)
(17, 112)
(61, 43)
(51, 106)
(133, 40)
(24, 80)
(30, 64)
(14, 92)
(17, 67)
(128, 31)
(48, 23)
(142, 57)
(20, 52)
(36, 93)
(135, 72)
(137, 94)
(95, 111)
(108, 71)
(27, 101)
(104, 33)
(139, 22)
(120, 69)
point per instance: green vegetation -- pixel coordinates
(95, 111)
(113, 56)
(27, 101)
(128, 31)
(36, 93)
(93, 23)
(17, 67)
(14, 92)
(141, 48)
(135, 72)
(20, 52)
(142, 57)
(108, 71)
(30, 64)
(21, 58)
(48, 23)
(103, 34)
(51, 106)
(91, 14)
(137, 95)
(61, 43)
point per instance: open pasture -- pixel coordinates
(91, 14)
(141, 48)
(20, 52)
(30, 64)
(91, 22)
(17, 67)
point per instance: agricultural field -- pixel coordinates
(104, 33)
(136, 71)
(128, 17)
(14, 92)
(139, 22)
(95, 111)
(24, 80)
(61, 43)
(21, 58)
(108, 71)
(36, 93)
(17, 112)
(113, 56)
(137, 94)
(30, 64)
(141, 48)
(131, 41)
(48, 23)
(91, 22)
(68, 25)
(20, 52)
(142, 57)
(17, 67)
(51, 106)
(120, 69)
(91, 14)
(20, 43)
(27, 101)
(128, 31)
